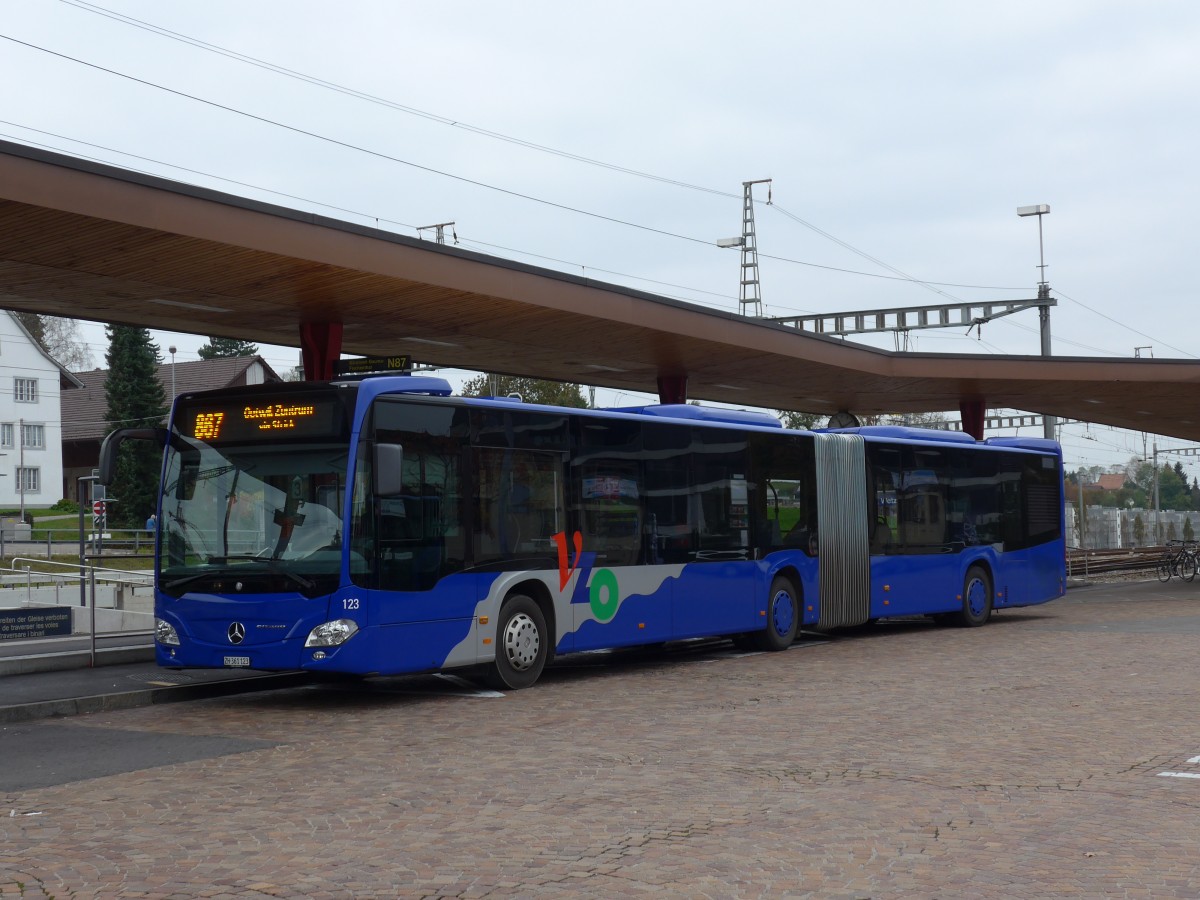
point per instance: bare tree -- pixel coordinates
(64, 341)
(61, 338)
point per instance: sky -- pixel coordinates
(614, 141)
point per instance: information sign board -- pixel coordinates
(34, 622)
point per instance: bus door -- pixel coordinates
(1029, 526)
(914, 561)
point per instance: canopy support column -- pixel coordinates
(672, 389)
(320, 348)
(973, 415)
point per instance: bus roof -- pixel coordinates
(938, 435)
(904, 432)
(702, 414)
(377, 384)
(402, 384)
(440, 387)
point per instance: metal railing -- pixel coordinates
(112, 597)
(135, 540)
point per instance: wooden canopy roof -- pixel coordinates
(95, 242)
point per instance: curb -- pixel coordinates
(74, 659)
(74, 706)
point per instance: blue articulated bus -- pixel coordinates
(382, 526)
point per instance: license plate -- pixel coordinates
(240, 662)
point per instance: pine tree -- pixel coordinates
(222, 348)
(135, 399)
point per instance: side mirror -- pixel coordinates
(388, 470)
(107, 470)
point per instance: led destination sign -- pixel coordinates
(367, 365)
(262, 418)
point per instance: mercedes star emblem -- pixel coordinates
(237, 633)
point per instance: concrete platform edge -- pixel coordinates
(73, 659)
(73, 706)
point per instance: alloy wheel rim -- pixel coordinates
(522, 643)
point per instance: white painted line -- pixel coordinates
(1180, 774)
(1194, 760)
(470, 689)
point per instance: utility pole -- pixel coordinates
(21, 473)
(1040, 210)
(751, 292)
(1157, 526)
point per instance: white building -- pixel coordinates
(31, 382)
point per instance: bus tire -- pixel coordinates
(522, 644)
(783, 616)
(976, 598)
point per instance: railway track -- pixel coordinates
(1098, 562)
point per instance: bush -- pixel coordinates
(66, 505)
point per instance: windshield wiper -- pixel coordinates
(273, 564)
(187, 579)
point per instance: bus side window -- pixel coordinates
(667, 486)
(610, 511)
(607, 493)
(885, 520)
(719, 509)
(518, 505)
(785, 501)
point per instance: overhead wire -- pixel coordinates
(355, 147)
(382, 101)
(531, 145)
(1122, 324)
(159, 162)
(329, 85)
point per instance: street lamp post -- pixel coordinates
(1039, 210)
(171, 350)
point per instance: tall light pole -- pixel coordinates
(171, 350)
(1039, 210)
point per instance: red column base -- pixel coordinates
(972, 417)
(672, 389)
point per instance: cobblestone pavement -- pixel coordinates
(1039, 756)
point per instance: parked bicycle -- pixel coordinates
(1179, 560)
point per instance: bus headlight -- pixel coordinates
(165, 633)
(332, 634)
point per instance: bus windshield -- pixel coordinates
(251, 516)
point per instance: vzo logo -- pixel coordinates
(603, 594)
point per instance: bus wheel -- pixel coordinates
(522, 644)
(783, 617)
(977, 599)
